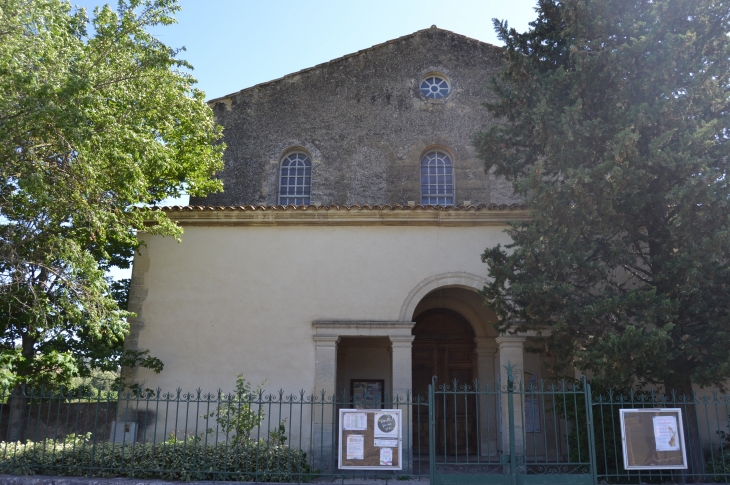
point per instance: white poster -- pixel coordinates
(386, 457)
(355, 447)
(386, 425)
(388, 443)
(666, 433)
(355, 421)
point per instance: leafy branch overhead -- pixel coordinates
(615, 132)
(94, 128)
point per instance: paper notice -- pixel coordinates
(355, 421)
(386, 425)
(355, 447)
(386, 457)
(388, 443)
(666, 433)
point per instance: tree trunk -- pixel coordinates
(18, 402)
(682, 384)
(18, 415)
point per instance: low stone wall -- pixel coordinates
(55, 420)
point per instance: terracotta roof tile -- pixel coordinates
(396, 207)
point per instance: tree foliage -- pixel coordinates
(616, 133)
(98, 120)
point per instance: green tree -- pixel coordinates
(240, 412)
(94, 128)
(615, 133)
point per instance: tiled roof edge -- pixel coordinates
(348, 56)
(396, 207)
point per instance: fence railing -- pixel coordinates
(551, 428)
(501, 432)
(706, 432)
(242, 436)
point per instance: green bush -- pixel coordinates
(718, 463)
(240, 412)
(253, 461)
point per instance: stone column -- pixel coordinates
(512, 351)
(486, 349)
(402, 365)
(325, 415)
(402, 386)
(325, 364)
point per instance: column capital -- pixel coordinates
(485, 345)
(401, 340)
(326, 340)
(514, 341)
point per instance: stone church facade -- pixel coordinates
(346, 244)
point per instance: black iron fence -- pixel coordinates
(706, 433)
(458, 433)
(248, 435)
(511, 434)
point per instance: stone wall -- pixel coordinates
(365, 125)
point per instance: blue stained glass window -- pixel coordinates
(436, 188)
(295, 180)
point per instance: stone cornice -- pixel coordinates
(362, 324)
(386, 215)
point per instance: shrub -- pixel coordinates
(718, 463)
(253, 461)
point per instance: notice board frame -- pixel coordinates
(627, 441)
(370, 449)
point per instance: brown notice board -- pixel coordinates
(370, 439)
(653, 439)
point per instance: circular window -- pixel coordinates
(435, 87)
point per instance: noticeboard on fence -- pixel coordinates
(653, 439)
(370, 439)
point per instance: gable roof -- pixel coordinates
(432, 29)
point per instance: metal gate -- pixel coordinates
(511, 434)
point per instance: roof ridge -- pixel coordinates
(347, 56)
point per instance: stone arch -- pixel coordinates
(460, 307)
(456, 279)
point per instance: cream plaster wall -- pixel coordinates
(230, 300)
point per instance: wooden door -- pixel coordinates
(444, 347)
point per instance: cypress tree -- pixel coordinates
(615, 132)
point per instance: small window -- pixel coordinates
(435, 87)
(437, 179)
(295, 182)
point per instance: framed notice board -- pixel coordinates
(653, 439)
(367, 393)
(370, 439)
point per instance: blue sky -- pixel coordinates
(235, 44)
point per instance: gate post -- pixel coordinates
(432, 432)
(511, 421)
(591, 431)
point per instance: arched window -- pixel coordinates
(437, 179)
(295, 180)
